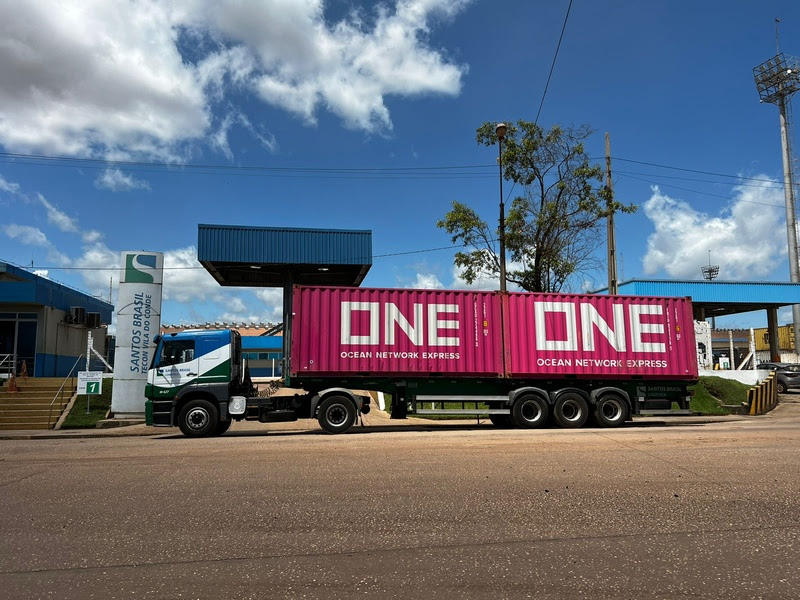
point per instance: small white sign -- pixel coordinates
(90, 383)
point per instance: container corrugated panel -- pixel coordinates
(395, 331)
(585, 336)
(283, 245)
(785, 338)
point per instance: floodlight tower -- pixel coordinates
(710, 273)
(776, 81)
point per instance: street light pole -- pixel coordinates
(501, 133)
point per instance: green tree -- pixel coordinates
(553, 227)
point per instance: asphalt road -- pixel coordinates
(710, 511)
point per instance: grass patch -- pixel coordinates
(98, 409)
(712, 392)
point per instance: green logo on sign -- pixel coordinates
(92, 388)
(137, 267)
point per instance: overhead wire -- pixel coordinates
(547, 83)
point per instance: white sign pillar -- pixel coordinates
(138, 323)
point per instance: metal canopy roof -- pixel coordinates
(718, 298)
(19, 286)
(271, 256)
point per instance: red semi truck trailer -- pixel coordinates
(523, 359)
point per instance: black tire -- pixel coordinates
(570, 410)
(611, 411)
(530, 411)
(223, 426)
(501, 421)
(336, 414)
(781, 387)
(198, 418)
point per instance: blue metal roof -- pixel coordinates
(262, 256)
(717, 298)
(19, 286)
(748, 292)
(262, 342)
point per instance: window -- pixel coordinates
(174, 352)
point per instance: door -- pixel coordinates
(176, 366)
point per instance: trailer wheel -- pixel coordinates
(570, 410)
(222, 427)
(611, 411)
(336, 414)
(530, 411)
(198, 418)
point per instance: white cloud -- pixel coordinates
(143, 78)
(7, 186)
(745, 238)
(25, 234)
(185, 279)
(92, 236)
(484, 282)
(91, 74)
(272, 298)
(99, 268)
(42, 273)
(219, 138)
(117, 181)
(349, 68)
(426, 281)
(57, 217)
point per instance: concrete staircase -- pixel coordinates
(29, 407)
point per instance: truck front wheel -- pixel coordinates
(570, 410)
(222, 427)
(336, 414)
(198, 418)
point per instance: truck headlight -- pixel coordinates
(237, 405)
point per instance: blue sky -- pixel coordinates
(311, 86)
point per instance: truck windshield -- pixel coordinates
(173, 352)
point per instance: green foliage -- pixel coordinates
(552, 227)
(711, 393)
(98, 409)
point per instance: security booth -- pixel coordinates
(44, 325)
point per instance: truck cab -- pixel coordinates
(197, 366)
(198, 382)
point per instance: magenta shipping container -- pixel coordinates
(615, 337)
(395, 331)
(364, 331)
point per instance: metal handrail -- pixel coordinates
(10, 359)
(63, 383)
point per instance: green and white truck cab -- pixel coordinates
(199, 382)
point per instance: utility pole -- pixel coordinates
(776, 80)
(613, 283)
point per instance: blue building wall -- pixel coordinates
(264, 355)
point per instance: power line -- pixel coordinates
(649, 164)
(667, 185)
(461, 171)
(776, 186)
(553, 65)
(202, 268)
(104, 163)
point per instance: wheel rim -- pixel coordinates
(531, 411)
(197, 419)
(611, 410)
(336, 415)
(572, 410)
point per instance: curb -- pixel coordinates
(118, 432)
